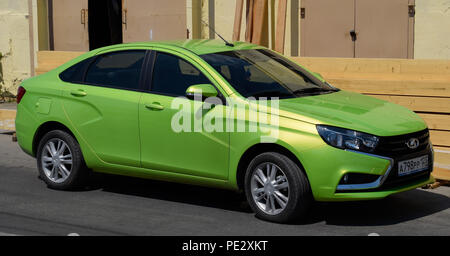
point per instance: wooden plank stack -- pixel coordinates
(48, 60)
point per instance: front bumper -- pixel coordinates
(372, 195)
(325, 174)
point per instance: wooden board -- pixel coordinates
(48, 60)
(7, 119)
(281, 26)
(56, 57)
(442, 163)
(259, 12)
(437, 121)
(249, 19)
(441, 174)
(442, 156)
(384, 66)
(398, 87)
(419, 104)
(238, 20)
(440, 138)
(385, 76)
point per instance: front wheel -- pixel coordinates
(277, 189)
(60, 161)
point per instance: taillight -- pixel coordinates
(20, 92)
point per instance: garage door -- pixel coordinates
(357, 28)
(154, 20)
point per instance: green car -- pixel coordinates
(234, 116)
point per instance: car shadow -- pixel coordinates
(395, 209)
(392, 210)
(181, 193)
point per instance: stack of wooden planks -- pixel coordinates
(420, 85)
(48, 60)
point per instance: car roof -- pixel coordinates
(197, 46)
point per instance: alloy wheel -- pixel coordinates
(56, 160)
(270, 188)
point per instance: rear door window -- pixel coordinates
(118, 69)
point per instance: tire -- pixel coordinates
(64, 152)
(288, 180)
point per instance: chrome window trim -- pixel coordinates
(371, 185)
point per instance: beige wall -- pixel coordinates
(14, 43)
(432, 35)
(432, 40)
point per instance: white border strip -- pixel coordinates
(443, 166)
(442, 151)
(7, 234)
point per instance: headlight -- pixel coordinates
(347, 139)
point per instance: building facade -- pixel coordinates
(314, 28)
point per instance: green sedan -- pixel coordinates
(234, 116)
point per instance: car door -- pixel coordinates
(103, 106)
(164, 147)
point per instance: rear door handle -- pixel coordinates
(78, 93)
(154, 106)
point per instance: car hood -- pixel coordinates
(353, 111)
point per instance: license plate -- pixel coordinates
(412, 165)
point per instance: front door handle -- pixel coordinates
(154, 106)
(78, 93)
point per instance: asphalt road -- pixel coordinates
(127, 206)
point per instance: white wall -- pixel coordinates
(14, 43)
(432, 29)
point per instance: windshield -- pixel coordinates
(261, 73)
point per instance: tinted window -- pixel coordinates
(261, 73)
(172, 75)
(118, 69)
(75, 73)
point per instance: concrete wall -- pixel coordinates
(432, 37)
(14, 43)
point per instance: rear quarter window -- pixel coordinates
(75, 73)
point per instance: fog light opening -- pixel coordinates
(345, 179)
(358, 178)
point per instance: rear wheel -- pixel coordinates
(60, 161)
(277, 189)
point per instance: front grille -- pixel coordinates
(395, 146)
(395, 180)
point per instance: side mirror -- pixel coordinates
(205, 90)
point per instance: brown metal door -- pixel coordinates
(325, 28)
(382, 28)
(145, 20)
(70, 25)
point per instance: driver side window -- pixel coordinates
(173, 75)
